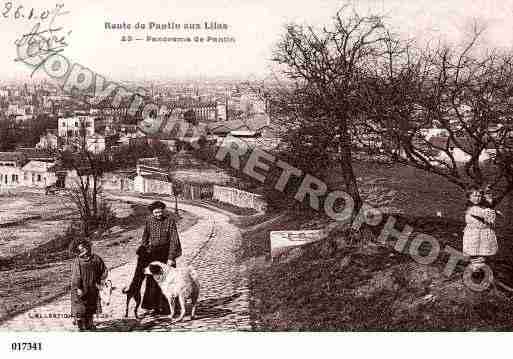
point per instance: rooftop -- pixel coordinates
(37, 166)
(12, 157)
(35, 154)
(255, 123)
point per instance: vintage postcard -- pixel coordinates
(255, 166)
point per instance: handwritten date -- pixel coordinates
(19, 12)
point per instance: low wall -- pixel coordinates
(197, 191)
(284, 241)
(239, 198)
(149, 185)
(117, 182)
(155, 186)
(190, 191)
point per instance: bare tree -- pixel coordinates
(465, 93)
(86, 190)
(325, 66)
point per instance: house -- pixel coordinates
(27, 167)
(431, 132)
(11, 173)
(131, 139)
(201, 111)
(72, 126)
(95, 143)
(256, 130)
(49, 140)
(38, 174)
(459, 153)
(252, 103)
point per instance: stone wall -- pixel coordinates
(144, 184)
(156, 186)
(117, 182)
(197, 191)
(190, 191)
(239, 198)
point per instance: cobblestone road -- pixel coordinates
(209, 247)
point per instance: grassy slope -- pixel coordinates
(370, 291)
(376, 288)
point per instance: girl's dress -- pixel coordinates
(479, 238)
(87, 274)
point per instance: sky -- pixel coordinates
(256, 26)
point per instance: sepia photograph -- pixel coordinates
(255, 166)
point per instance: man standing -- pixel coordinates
(88, 271)
(160, 242)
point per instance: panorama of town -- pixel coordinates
(364, 186)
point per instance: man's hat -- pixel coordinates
(157, 204)
(73, 246)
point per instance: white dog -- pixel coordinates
(181, 283)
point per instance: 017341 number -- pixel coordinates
(26, 346)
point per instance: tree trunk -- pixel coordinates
(346, 165)
(350, 180)
(95, 195)
(364, 234)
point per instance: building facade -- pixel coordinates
(48, 141)
(38, 174)
(73, 126)
(11, 173)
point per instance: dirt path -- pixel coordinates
(209, 246)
